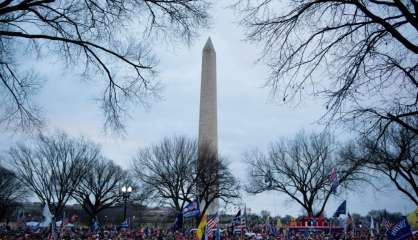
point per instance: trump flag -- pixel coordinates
(191, 210)
(400, 231)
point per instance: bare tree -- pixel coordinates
(395, 155)
(12, 191)
(52, 167)
(100, 188)
(214, 180)
(361, 56)
(169, 169)
(300, 168)
(100, 37)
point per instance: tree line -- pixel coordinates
(58, 168)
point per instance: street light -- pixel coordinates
(126, 192)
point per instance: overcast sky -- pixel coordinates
(247, 117)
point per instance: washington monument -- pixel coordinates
(208, 117)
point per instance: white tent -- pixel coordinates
(32, 224)
(68, 225)
(47, 216)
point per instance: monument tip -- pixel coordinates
(209, 45)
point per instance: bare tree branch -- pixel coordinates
(96, 36)
(355, 54)
(393, 154)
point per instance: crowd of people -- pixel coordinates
(113, 233)
(76, 233)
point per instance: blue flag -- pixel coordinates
(205, 233)
(218, 234)
(191, 210)
(273, 229)
(125, 224)
(342, 209)
(95, 226)
(313, 222)
(401, 231)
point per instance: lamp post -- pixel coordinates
(126, 192)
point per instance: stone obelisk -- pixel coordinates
(208, 119)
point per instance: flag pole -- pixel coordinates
(240, 233)
(182, 223)
(330, 223)
(241, 220)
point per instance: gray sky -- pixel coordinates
(247, 117)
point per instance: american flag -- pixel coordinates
(212, 223)
(388, 225)
(239, 221)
